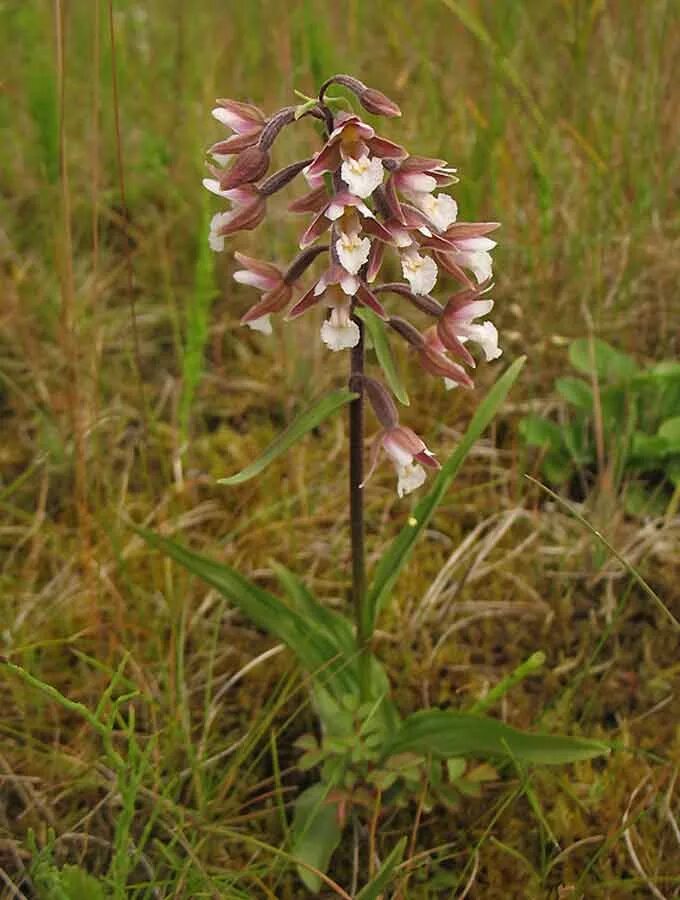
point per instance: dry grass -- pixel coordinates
(561, 117)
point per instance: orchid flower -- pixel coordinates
(373, 200)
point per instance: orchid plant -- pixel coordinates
(366, 195)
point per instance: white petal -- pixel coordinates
(410, 477)
(477, 243)
(441, 209)
(486, 335)
(399, 456)
(334, 211)
(213, 185)
(245, 276)
(419, 271)
(362, 175)
(225, 117)
(216, 240)
(419, 181)
(263, 324)
(450, 384)
(340, 337)
(221, 158)
(478, 261)
(349, 284)
(352, 252)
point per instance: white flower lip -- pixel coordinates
(339, 332)
(263, 324)
(419, 271)
(352, 252)
(363, 175)
(441, 209)
(409, 478)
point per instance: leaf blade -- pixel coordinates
(401, 547)
(381, 880)
(447, 733)
(316, 834)
(381, 345)
(309, 419)
(316, 652)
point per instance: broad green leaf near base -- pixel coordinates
(309, 419)
(446, 733)
(316, 833)
(399, 551)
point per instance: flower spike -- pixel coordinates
(374, 203)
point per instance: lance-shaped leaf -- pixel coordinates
(309, 419)
(381, 345)
(377, 885)
(399, 551)
(316, 833)
(335, 625)
(446, 733)
(317, 652)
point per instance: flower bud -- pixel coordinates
(423, 302)
(302, 262)
(248, 166)
(378, 103)
(409, 332)
(283, 177)
(381, 401)
(274, 125)
(235, 144)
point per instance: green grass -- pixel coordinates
(560, 117)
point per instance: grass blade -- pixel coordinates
(309, 419)
(377, 885)
(603, 540)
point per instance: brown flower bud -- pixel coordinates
(302, 262)
(283, 177)
(381, 401)
(235, 144)
(424, 302)
(249, 166)
(274, 125)
(377, 103)
(407, 331)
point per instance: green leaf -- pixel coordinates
(377, 885)
(670, 431)
(610, 364)
(399, 551)
(446, 733)
(649, 447)
(576, 392)
(557, 467)
(316, 833)
(333, 624)
(79, 885)
(540, 432)
(315, 650)
(381, 345)
(309, 419)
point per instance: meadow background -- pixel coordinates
(127, 388)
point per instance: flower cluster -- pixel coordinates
(366, 194)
